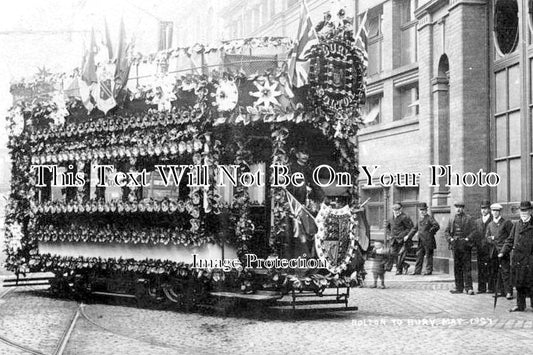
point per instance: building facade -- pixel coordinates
(449, 84)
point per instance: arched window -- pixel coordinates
(506, 26)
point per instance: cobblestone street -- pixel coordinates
(413, 314)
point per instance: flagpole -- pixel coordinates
(355, 16)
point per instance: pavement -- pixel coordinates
(415, 314)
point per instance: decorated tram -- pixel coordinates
(169, 188)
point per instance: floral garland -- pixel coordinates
(165, 206)
(120, 235)
(280, 209)
(246, 280)
(323, 220)
(226, 46)
(244, 227)
(19, 217)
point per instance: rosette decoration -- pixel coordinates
(227, 95)
(117, 234)
(162, 94)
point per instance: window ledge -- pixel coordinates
(382, 127)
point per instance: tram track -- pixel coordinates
(177, 348)
(63, 341)
(80, 314)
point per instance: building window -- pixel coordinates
(530, 20)
(375, 207)
(375, 39)
(407, 40)
(508, 134)
(506, 26)
(165, 34)
(409, 104)
(372, 111)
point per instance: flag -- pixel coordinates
(88, 68)
(122, 69)
(303, 220)
(371, 115)
(103, 92)
(108, 43)
(299, 63)
(361, 39)
(88, 75)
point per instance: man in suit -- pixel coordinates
(426, 229)
(460, 234)
(309, 192)
(482, 250)
(497, 233)
(520, 246)
(398, 228)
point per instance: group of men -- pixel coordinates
(401, 230)
(504, 249)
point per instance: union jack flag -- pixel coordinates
(300, 63)
(361, 39)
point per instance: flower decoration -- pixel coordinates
(227, 95)
(267, 92)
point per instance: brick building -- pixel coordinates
(449, 83)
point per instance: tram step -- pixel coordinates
(310, 302)
(125, 295)
(27, 281)
(21, 284)
(270, 296)
(316, 309)
(313, 294)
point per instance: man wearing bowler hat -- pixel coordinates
(460, 233)
(426, 229)
(497, 233)
(482, 250)
(398, 228)
(520, 246)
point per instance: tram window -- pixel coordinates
(375, 207)
(257, 191)
(157, 190)
(57, 192)
(225, 190)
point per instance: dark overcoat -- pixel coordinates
(465, 224)
(500, 231)
(481, 243)
(426, 228)
(398, 228)
(520, 244)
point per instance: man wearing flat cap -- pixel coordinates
(497, 233)
(519, 245)
(482, 250)
(460, 233)
(426, 229)
(397, 229)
